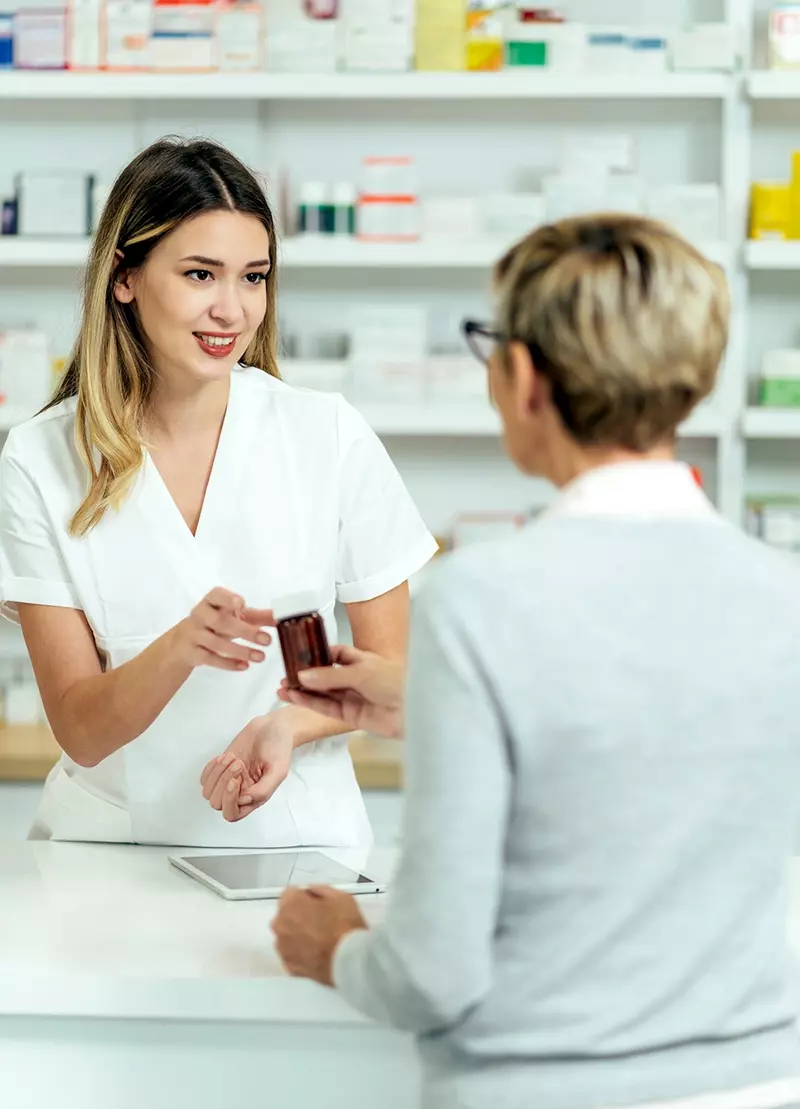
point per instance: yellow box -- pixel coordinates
(770, 211)
(485, 44)
(794, 197)
(441, 35)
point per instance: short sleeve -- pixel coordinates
(382, 537)
(32, 567)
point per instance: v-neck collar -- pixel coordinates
(213, 486)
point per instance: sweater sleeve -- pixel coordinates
(432, 960)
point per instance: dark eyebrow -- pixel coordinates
(221, 265)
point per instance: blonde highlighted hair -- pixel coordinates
(624, 318)
(109, 370)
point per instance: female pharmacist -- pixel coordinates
(173, 489)
(603, 750)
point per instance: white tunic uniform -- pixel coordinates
(302, 497)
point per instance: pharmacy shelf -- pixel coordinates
(774, 85)
(438, 418)
(476, 419)
(22, 252)
(507, 85)
(334, 252)
(772, 255)
(771, 423)
(314, 252)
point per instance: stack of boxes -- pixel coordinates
(321, 36)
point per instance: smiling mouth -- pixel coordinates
(218, 342)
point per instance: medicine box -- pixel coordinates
(695, 211)
(84, 50)
(389, 345)
(775, 521)
(780, 379)
(6, 40)
(183, 36)
(440, 35)
(484, 40)
(53, 204)
(770, 210)
(126, 26)
(608, 49)
(648, 51)
(239, 35)
(706, 47)
(510, 216)
(302, 46)
(388, 205)
(40, 38)
(25, 382)
(557, 45)
(784, 37)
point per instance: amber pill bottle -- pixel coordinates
(302, 635)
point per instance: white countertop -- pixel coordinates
(96, 930)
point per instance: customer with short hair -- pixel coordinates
(603, 732)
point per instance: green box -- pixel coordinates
(526, 53)
(780, 392)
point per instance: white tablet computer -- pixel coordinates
(251, 876)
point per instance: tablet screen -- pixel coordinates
(277, 870)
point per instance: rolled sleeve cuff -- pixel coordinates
(31, 591)
(350, 974)
(391, 577)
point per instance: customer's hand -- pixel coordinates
(206, 637)
(363, 690)
(309, 925)
(245, 776)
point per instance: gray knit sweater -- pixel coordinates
(603, 781)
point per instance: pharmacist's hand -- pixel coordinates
(206, 637)
(244, 777)
(363, 690)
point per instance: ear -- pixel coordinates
(124, 282)
(530, 389)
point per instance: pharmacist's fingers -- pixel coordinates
(214, 771)
(261, 617)
(230, 801)
(233, 774)
(224, 599)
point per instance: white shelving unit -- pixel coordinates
(315, 252)
(465, 126)
(528, 85)
(773, 255)
(774, 85)
(771, 423)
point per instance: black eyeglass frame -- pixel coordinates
(473, 329)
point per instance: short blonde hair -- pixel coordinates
(625, 319)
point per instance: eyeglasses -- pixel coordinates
(481, 339)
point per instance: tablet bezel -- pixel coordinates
(267, 893)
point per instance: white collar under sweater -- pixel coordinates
(635, 490)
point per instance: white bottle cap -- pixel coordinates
(345, 194)
(294, 604)
(313, 193)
